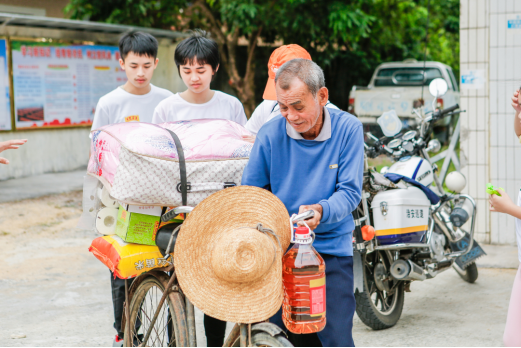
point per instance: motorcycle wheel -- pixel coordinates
(380, 305)
(469, 274)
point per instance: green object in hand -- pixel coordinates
(491, 190)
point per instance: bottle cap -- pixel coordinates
(301, 230)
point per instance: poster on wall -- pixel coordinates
(473, 79)
(59, 85)
(513, 21)
(5, 101)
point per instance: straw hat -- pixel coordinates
(227, 266)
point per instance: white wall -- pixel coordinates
(488, 142)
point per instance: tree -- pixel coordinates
(397, 31)
(326, 26)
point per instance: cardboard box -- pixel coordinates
(143, 209)
(138, 228)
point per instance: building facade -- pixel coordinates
(490, 52)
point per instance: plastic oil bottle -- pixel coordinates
(304, 277)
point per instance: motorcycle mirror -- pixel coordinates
(438, 87)
(434, 146)
(393, 144)
(409, 135)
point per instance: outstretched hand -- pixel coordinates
(515, 102)
(501, 204)
(10, 145)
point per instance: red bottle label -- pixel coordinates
(317, 297)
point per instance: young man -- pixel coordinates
(134, 101)
(270, 108)
(137, 98)
(197, 60)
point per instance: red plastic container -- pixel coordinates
(304, 277)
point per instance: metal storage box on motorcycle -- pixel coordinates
(400, 216)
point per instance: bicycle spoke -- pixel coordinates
(162, 333)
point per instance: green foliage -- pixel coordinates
(396, 32)
(326, 28)
(143, 13)
(348, 38)
(399, 31)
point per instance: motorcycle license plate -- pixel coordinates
(464, 260)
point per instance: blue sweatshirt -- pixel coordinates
(327, 170)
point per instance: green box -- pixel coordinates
(137, 228)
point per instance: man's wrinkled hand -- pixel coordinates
(315, 220)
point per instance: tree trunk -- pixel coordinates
(243, 85)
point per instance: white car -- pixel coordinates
(398, 86)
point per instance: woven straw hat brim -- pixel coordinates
(231, 209)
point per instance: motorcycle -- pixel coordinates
(405, 231)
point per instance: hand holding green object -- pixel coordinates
(491, 190)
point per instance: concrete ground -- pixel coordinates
(41, 185)
(55, 293)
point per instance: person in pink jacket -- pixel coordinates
(503, 204)
(9, 145)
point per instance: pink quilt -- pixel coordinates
(201, 140)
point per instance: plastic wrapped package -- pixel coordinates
(91, 203)
(139, 164)
(127, 260)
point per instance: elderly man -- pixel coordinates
(312, 157)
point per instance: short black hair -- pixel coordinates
(200, 47)
(141, 44)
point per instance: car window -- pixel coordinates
(406, 76)
(453, 79)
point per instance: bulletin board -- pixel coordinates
(5, 97)
(59, 85)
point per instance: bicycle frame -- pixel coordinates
(241, 331)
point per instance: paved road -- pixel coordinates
(57, 294)
(41, 185)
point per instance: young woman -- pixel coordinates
(197, 60)
(503, 204)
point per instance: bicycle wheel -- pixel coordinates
(143, 305)
(262, 339)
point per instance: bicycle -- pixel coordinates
(159, 314)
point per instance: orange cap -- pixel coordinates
(280, 56)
